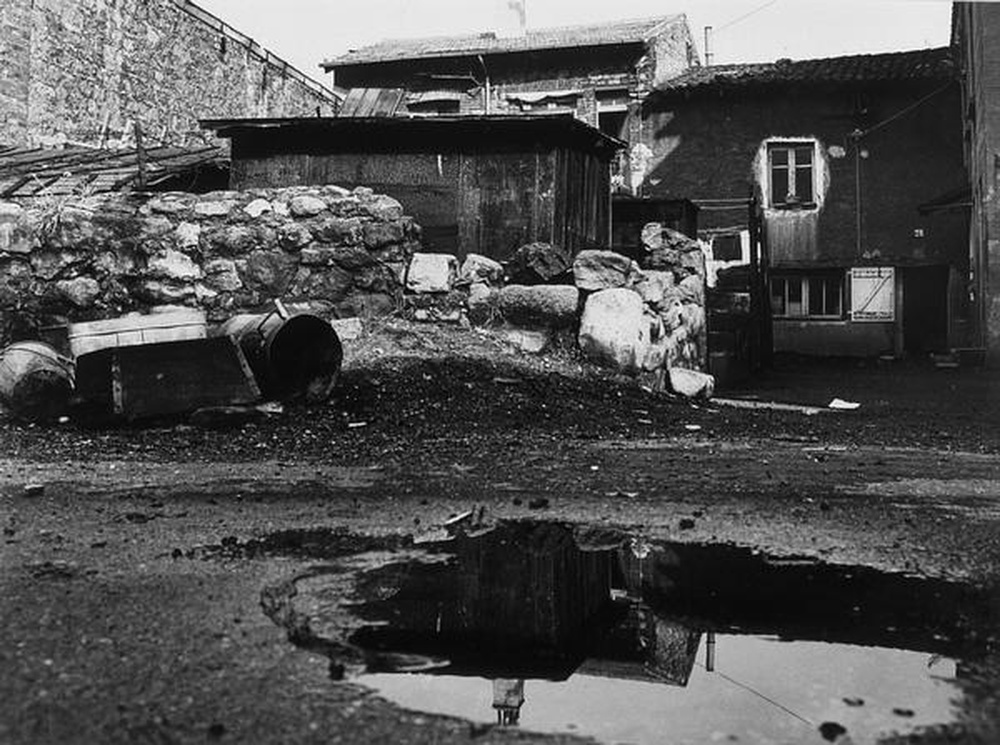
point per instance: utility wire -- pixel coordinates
(746, 15)
(904, 111)
(758, 694)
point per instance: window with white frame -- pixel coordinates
(791, 174)
(808, 295)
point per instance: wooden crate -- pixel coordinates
(164, 378)
(90, 336)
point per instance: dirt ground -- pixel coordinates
(122, 624)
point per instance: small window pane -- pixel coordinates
(804, 184)
(803, 156)
(816, 297)
(778, 297)
(779, 186)
(833, 304)
(727, 248)
(779, 156)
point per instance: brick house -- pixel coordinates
(598, 73)
(85, 71)
(976, 41)
(857, 165)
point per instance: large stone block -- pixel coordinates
(171, 264)
(383, 208)
(615, 329)
(269, 272)
(601, 270)
(337, 231)
(656, 288)
(431, 273)
(691, 383)
(477, 268)
(80, 291)
(381, 234)
(538, 263)
(306, 205)
(553, 306)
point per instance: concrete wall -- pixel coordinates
(226, 252)
(86, 70)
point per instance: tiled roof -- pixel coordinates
(620, 32)
(36, 172)
(922, 64)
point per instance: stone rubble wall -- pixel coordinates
(343, 252)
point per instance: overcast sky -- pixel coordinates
(306, 32)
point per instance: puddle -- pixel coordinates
(546, 628)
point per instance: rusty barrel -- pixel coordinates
(35, 381)
(292, 357)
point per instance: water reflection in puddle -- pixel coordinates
(535, 625)
(761, 691)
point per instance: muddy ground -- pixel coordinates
(131, 605)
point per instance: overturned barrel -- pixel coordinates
(292, 357)
(35, 381)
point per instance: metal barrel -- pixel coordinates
(35, 381)
(292, 357)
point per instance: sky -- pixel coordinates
(307, 32)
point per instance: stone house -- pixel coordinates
(854, 162)
(86, 71)
(976, 42)
(597, 73)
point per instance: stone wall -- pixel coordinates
(86, 70)
(345, 252)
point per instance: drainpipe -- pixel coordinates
(486, 87)
(856, 135)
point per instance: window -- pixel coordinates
(790, 167)
(727, 247)
(814, 295)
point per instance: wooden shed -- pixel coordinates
(475, 184)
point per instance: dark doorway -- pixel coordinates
(925, 309)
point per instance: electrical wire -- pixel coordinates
(758, 694)
(904, 111)
(746, 15)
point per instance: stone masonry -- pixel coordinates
(84, 71)
(342, 252)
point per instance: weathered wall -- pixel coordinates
(705, 147)
(226, 252)
(978, 36)
(86, 70)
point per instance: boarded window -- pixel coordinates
(727, 247)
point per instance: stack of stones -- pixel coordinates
(647, 320)
(342, 251)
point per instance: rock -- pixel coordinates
(81, 291)
(34, 490)
(157, 291)
(269, 271)
(483, 303)
(172, 264)
(383, 208)
(348, 257)
(257, 207)
(691, 289)
(338, 231)
(293, 236)
(553, 306)
(532, 341)
(171, 203)
(656, 288)
(306, 205)
(230, 240)
(348, 329)
(691, 383)
(656, 236)
(602, 270)
(381, 234)
(49, 264)
(538, 263)
(431, 273)
(14, 234)
(221, 274)
(329, 283)
(614, 329)
(214, 208)
(187, 235)
(480, 269)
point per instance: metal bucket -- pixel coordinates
(292, 357)
(35, 381)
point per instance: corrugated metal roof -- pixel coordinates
(620, 32)
(38, 172)
(922, 64)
